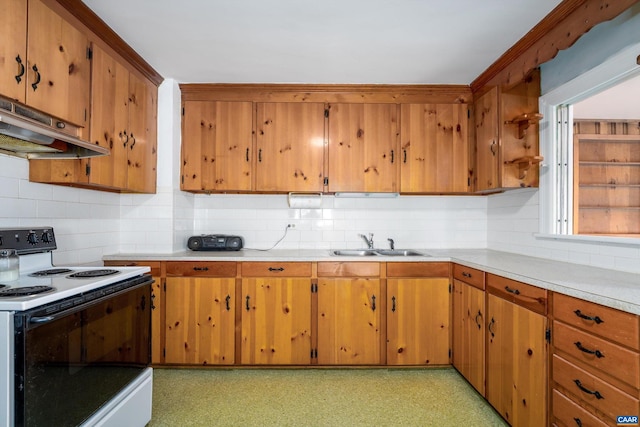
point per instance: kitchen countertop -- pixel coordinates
(611, 288)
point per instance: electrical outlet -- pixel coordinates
(291, 226)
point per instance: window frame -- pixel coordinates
(556, 177)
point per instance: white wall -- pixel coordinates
(513, 221)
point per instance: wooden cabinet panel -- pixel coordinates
(571, 414)
(487, 141)
(276, 269)
(349, 321)
(290, 144)
(609, 323)
(202, 268)
(417, 269)
(348, 269)
(516, 362)
(58, 51)
(276, 321)
(13, 49)
(217, 142)
(418, 313)
(469, 275)
(200, 321)
(528, 296)
(363, 147)
(603, 355)
(593, 390)
(435, 148)
(469, 333)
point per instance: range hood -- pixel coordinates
(33, 135)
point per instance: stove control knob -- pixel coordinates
(47, 237)
(32, 238)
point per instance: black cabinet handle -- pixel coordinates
(597, 353)
(260, 155)
(247, 303)
(586, 390)
(480, 316)
(35, 84)
(247, 155)
(201, 268)
(391, 156)
(227, 299)
(493, 321)
(373, 303)
(512, 291)
(578, 422)
(404, 156)
(592, 318)
(465, 274)
(393, 304)
(276, 269)
(153, 297)
(134, 141)
(493, 147)
(22, 70)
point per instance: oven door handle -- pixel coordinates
(38, 320)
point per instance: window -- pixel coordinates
(590, 139)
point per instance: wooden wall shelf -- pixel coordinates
(524, 121)
(524, 164)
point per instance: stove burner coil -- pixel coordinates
(50, 272)
(24, 291)
(92, 273)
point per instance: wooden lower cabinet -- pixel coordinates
(469, 333)
(276, 321)
(516, 383)
(349, 321)
(200, 321)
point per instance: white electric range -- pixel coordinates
(78, 335)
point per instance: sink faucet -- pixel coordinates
(392, 244)
(368, 240)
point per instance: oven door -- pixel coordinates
(73, 356)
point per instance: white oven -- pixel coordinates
(74, 341)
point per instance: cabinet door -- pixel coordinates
(363, 147)
(516, 362)
(418, 321)
(349, 321)
(58, 66)
(290, 144)
(487, 141)
(13, 49)
(142, 145)
(216, 146)
(435, 148)
(200, 316)
(469, 333)
(109, 120)
(276, 321)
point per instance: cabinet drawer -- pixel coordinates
(204, 269)
(589, 388)
(154, 265)
(528, 296)
(617, 361)
(348, 269)
(417, 269)
(612, 324)
(570, 414)
(469, 275)
(280, 269)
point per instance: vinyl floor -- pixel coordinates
(317, 397)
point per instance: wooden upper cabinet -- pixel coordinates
(217, 146)
(13, 49)
(435, 148)
(290, 146)
(487, 141)
(363, 147)
(58, 67)
(123, 120)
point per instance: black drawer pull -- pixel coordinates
(247, 303)
(578, 422)
(480, 316)
(586, 390)
(35, 84)
(585, 317)
(598, 353)
(489, 327)
(21, 72)
(373, 303)
(276, 269)
(393, 304)
(227, 299)
(465, 274)
(200, 268)
(512, 291)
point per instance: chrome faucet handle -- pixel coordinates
(368, 240)
(392, 244)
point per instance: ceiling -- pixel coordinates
(329, 41)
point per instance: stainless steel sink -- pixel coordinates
(398, 252)
(354, 252)
(374, 252)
